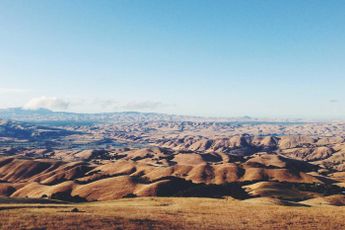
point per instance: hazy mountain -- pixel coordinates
(22, 130)
(46, 115)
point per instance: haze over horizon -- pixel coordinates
(207, 58)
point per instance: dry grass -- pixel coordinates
(169, 213)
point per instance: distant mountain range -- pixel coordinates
(46, 115)
(23, 130)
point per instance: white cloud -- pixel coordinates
(106, 103)
(12, 90)
(144, 105)
(115, 105)
(333, 101)
(92, 105)
(52, 103)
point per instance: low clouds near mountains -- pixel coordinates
(145, 105)
(13, 91)
(132, 105)
(333, 101)
(52, 103)
(93, 105)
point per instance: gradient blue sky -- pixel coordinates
(269, 58)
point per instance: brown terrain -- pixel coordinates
(227, 169)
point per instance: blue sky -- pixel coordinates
(268, 58)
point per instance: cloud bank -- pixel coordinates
(92, 105)
(12, 90)
(111, 104)
(52, 103)
(144, 105)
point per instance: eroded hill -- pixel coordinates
(294, 163)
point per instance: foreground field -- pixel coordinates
(169, 213)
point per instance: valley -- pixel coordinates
(169, 167)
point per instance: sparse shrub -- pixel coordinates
(130, 195)
(75, 210)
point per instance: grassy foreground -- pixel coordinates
(168, 213)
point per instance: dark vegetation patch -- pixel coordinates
(324, 189)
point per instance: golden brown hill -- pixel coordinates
(44, 171)
(140, 174)
(337, 200)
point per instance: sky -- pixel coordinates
(269, 58)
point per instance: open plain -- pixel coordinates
(171, 213)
